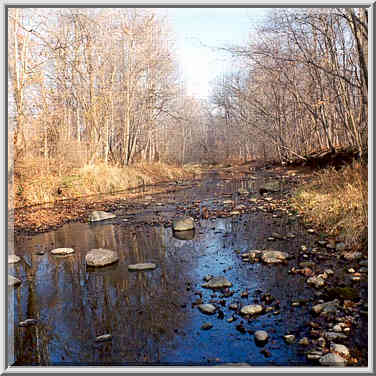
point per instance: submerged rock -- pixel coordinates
(217, 283)
(99, 215)
(183, 224)
(62, 251)
(101, 257)
(142, 266)
(12, 259)
(206, 326)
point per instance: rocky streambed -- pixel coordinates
(247, 284)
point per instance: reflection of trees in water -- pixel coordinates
(74, 304)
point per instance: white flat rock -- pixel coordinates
(142, 266)
(12, 259)
(62, 251)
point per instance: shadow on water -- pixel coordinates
(150, 314)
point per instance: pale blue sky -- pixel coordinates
(196, 28)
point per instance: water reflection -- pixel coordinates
(149, 314)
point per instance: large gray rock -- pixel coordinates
(142, 266)
(13, 282)
(62, 251)
(251, 309)
(183, 224)
(12, 259)
(217, 283)
(96, 216)
(333, 360)
(101, 257)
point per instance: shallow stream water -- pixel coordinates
(150, 314)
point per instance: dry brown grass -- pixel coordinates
(33, 185)
(337, 202)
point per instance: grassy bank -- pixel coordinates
(34, 184)
(337, 203)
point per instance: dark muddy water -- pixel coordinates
(150, 314)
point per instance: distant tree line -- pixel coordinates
(303, 87)
(89, 85)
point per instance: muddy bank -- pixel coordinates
(154, 317)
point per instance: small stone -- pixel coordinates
(340, 246)
(321, 342)
(206, 326)
(233, 306)
(339, 349)
(12, 259)
(303, 248)
(183, 224)
(329, 271)
(295, 304)
(270, 238)
(274, 257)
(314, 355)
(261, 336)
(316, 281)
(276, 235)
(333, 336)
(27, 322)
(322, 242)
(304, 341)
(289, 338)
(351, 256)
(142, 266)
(235, 212)
(208, 309)
(311, 230)
(332, 359)
(351, 270)
(104, 338)
(101, 257)
(290, 235)
(217, 283)
(325, 308)
(13, 281)
(62, 251)
(251, 309)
